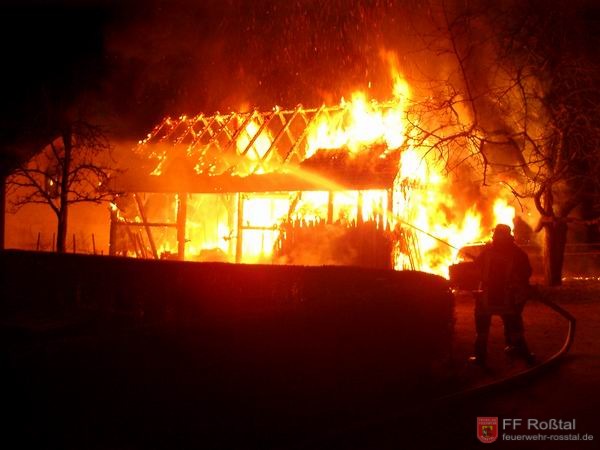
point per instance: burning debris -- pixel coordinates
(340, 184)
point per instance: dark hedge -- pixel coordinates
(281, 346)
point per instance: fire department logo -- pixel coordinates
(487, 429)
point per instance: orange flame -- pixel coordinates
(503, 212)
(420, 205)
(361, 123)
(431, 213)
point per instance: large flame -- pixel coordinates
(361, 122)
(503, 212)
(433, 223)
(358, 124)
(430, 213)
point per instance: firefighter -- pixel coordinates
(504, 287)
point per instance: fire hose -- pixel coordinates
(433, 236)
(528, 372)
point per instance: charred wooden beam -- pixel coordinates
(296, 145)
(142, 246)
(240, 224)
(181, 224)
(241, 128)
(286, 123)
(263, 159)
(330, 207)
(134, 242)
(112, 239)
(148, 230)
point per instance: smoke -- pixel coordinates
(183, 57)
(170, 58)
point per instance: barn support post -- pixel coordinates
(2, 210)
(142, 212)
(181, 224)
(230, 205)
(139, 244)
(359, 207)
(240, 225)
(390, 207)
(388, 227)
(330, 207)
(285, 129)
(112, 234)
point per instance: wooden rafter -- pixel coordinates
(227, 137)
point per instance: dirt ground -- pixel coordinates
(103, 420)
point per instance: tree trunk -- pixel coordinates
(61, 232)
(2, 209)
(555, 239)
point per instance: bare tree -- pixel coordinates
(75, 167)
(555, 123)
(519, 98)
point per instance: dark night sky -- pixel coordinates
(155, 57)
(141, 60)
(50, 51)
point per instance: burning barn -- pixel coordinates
(329, 185)
(257, 187)
(334, 185)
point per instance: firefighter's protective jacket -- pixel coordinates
(505, 271)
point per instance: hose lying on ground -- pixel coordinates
(538, 368)
(477, 390)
